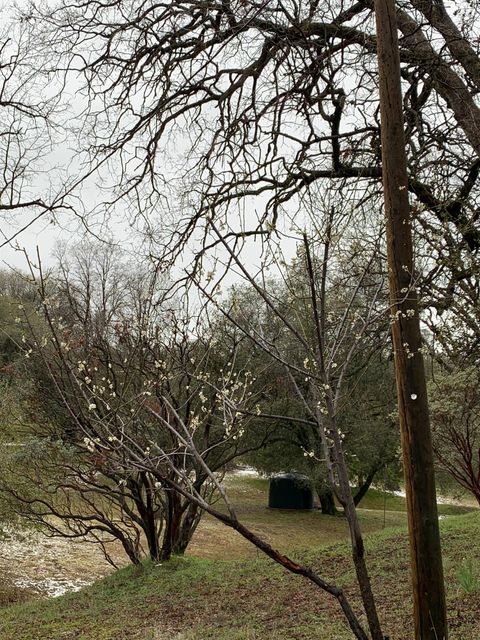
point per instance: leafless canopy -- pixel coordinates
(259, 101)
(30, 108)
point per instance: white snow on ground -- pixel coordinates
(440, 499)
(51, 587)
(246, 471)
(50, 566)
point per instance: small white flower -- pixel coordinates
(89, 444)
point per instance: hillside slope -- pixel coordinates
(201, 599)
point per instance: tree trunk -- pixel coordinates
(186, 529)
(141, 489)
(132, 550)
(358, 549)
(181, 520)
(426, 560)
(168, 533)
(151, 534)
(327, 499)
(364, 486)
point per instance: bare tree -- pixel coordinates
(138, 360)
(456, 432)
(183, 440)
(452, 339)
(30, 109)
(329, 319)
(66, 491)
(256, 102)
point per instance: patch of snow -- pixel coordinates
(49, 566)
(440, 499)
(246, 471)
(51, 587)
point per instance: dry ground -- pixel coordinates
(37, 566)
(251, 599)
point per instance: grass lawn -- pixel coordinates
(285, 529)
(248, 598)
(294, 530)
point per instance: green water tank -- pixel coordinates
(290, 491)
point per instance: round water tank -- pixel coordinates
(290, 491)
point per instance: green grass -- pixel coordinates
(294, 530)
(200, 598)
(284, 529)
(197, 599)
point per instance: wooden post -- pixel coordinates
(426, 559)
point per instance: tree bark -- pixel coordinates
(294, 567)
(426, 560)
(449, 85)
(168, 534)
(364, 486)
(358, 548)
(189, 523)
(458, 45)
(327, 499)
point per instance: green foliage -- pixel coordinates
(454, 393)
(467, 576)
(18, 306)
(368, 420)
(10, 330)
(371, 438)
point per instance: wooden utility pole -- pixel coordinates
(426, 558)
